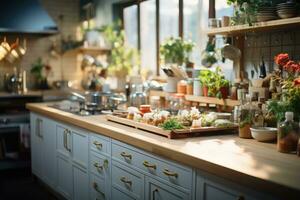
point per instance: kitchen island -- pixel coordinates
(225, 167)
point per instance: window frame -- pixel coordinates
(157, 16)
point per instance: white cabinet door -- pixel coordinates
(62, 138)
(64, 177)
(80, 184)
(36, 125)
(48, 152)
(155, 190)
(79, 143)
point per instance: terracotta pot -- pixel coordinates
(245, 132)
(205, 91)
(224, 92)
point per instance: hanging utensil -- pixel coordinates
(4, 49)
(262, 69)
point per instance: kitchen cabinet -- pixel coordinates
(72, 158)
(43, 148)
(83, 165)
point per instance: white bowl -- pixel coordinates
(264, 134)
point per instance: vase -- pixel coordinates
(205, 91)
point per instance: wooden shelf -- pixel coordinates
(90, 50)
(257, 27)
(212, 100)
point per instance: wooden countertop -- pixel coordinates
(245, 161)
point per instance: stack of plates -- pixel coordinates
(266, 14)
(287, 10)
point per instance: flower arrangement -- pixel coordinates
(290, 84)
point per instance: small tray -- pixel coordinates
(174, 134)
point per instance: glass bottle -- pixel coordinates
(139, 97)
(288, 135)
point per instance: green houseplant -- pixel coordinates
(176, 50)
(40, 71)
(122, 58)
(214, 83)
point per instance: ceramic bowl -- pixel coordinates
(264, 134)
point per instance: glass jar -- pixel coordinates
(288, 135)
(182, 87)
(139, 97)
(189, 87)
(197, 90)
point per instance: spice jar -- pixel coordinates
(145, 109)
(288, 134)
(189, 87)
(181, 87)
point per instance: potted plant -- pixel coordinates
(176, 51)
(122, 58)
(41, 72)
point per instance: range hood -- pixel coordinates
(25, 16)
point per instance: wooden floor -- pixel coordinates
(20, 184)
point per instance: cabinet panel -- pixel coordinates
(48, 151)
(98, 188)
(100, 144)
(99, 165)
(79, 145)
(119, 195)
(64, 177)
(80, 184)
(127, 180)
(155, 190)
(62, 132)
(36, 140)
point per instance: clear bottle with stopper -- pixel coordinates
(139, 97)
(288, 134)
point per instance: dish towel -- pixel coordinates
(25, 135)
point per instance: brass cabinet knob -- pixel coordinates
(126, 180)
(97, 144)
(148, 165)
(169, 173)
(126, 155)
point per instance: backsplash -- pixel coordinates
(268, 45)
(39, 46)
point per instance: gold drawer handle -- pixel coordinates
(97, 144)
(125, 155)
(95, 186)
(99, 167)
(168, 173)
(148, 165)
(125, 180)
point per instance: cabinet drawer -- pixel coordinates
(127, 180)
(97, 186)
(99, 165)
(100, 144)
(171, 172)
(126, 155)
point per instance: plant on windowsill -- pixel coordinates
(123, 59)
(176, 51)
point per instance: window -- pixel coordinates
(148, 23)
(168, 19)
(131, 26)
(148, 36)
